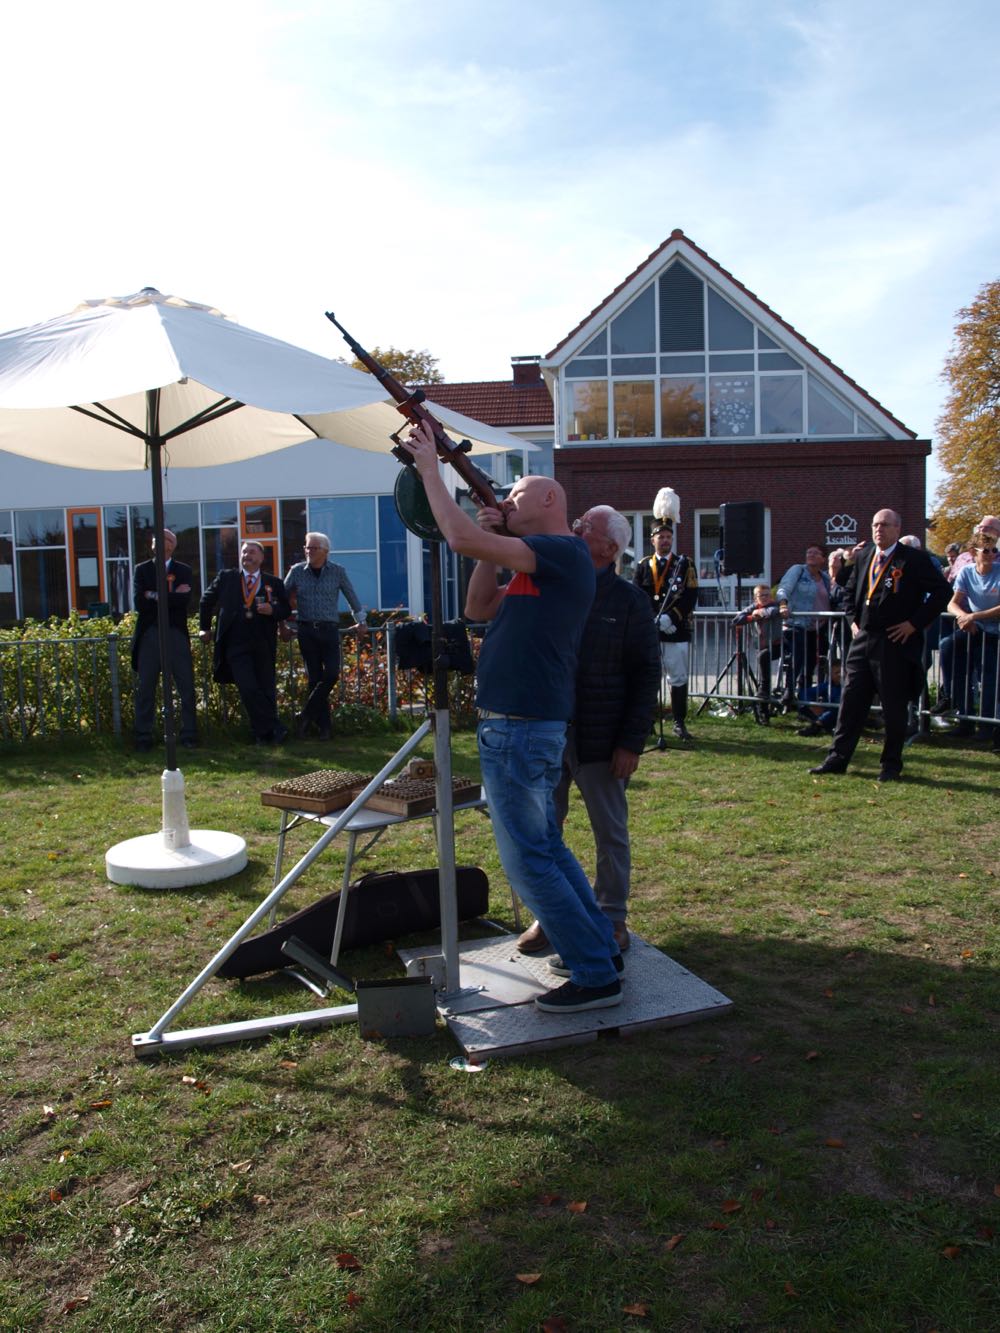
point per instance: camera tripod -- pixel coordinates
(746, 679)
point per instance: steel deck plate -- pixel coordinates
(500, 1018)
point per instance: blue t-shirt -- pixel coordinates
(527, 664)
(982, 592)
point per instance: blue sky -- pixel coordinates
(474, 177)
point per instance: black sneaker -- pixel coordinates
(569, 998)
(558, 968)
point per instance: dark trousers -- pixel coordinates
(251, 661)
(182, 673)
(874, 666)
(321, 654)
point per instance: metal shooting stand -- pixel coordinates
(413, 509)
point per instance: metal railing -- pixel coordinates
(85, 686)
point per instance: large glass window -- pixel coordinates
(350, 523)
(42, 578)
(8, 601)
(118, 566)
(588, 410)
(682, 407)
(41, 527)
(731, 405)
(633, 330)
(394, 591)
(678, 326)
(293, 533)
(828, 414)
(781, 404)
(635, 409)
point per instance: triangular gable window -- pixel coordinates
(681, 361)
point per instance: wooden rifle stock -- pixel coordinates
(410, 403)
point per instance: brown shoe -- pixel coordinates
(621, 935)
(534, 940)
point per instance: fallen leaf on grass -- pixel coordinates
(962, 875)
(64, 1156)
(907, 1009)
(288, 1064)
(674, 1241)
(755, 1059)
(756, 1195)
(101, 1105)
(770, 1224)
(775, 1129)
(55, 1196)
(546, 1200)
(638, 1308)
(54, 957)
(705, 1059)
(74, 1304)
(48, 1112)
(828, 994)
(731, 1206)
(932, 1001)
(528, 1279)
(812, 1055)
(241, 1166)
(790, 1290)
(996, 1189)
(968, 953)
(917, 1115)
(821, 911)
(260, 1200)
(555, 1324)
(353, 1300)
(718, 1226)
(951, 1251)
(577, 1206)
(835, 1143)
(985, 1233)
(348, 1261)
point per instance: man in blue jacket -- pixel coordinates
(616, 690)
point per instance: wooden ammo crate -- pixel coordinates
(317, 793)
(415, 796)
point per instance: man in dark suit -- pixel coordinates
(893, 593)
(248, 605)
(146, 644)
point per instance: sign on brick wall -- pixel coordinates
(841, 530)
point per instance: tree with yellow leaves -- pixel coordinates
(969, 427)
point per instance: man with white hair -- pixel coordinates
(616, 686)
(314, 586)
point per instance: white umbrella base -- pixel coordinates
(148, 864)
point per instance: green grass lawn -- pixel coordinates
(826, 1157)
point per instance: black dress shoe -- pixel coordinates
(831, 764)
(889, 775)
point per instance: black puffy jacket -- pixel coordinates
(619, 673)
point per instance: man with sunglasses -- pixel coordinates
(976, 608)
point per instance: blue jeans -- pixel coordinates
(521, 763)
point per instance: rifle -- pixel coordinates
(410, 404)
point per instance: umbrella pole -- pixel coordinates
(447, 889)
(155, 446)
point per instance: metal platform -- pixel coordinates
(495, 1012)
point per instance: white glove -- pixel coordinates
(666, 625)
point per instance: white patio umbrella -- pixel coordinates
(137, 381)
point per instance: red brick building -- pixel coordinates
(683, 377)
